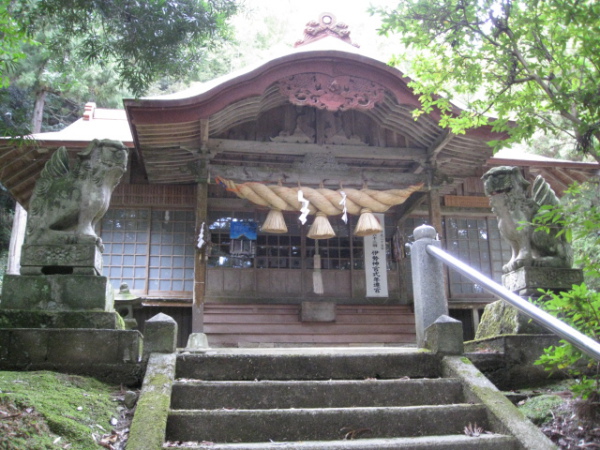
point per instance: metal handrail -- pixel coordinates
(568, 333)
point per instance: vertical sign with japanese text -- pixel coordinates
(375, 262)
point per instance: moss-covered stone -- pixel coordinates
(69, 406)
(503, 416)
(150, 421)
(57, 292)
(499, 318)
(18, 318)
(539, 409)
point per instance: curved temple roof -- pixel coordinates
(367, 105)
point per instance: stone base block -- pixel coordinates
(16, 318)
(500, 318)
(57, 293)
(445, 336)
(527, 280)
(112, 355)
(83, 258)
(509, 361)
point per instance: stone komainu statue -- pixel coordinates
(67, 202)
(516, 204)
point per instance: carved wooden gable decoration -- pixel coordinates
(331, 93)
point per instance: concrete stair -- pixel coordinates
(311, 398)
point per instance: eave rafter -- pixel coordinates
(216, 146)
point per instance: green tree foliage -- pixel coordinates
(13, 35)
(139, 40)
(578, 217)
(532, 61)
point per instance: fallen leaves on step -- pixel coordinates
(354, 433)
(473, 430)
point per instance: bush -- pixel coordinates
(578, 307)
(578, 217)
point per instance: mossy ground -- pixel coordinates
(38, 408)
(539, 409)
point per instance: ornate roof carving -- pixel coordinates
(331, 93)
(326, 25)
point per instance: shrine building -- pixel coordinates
(275, 206)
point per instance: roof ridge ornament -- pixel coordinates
(327, 25)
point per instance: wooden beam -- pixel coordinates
(411, 203)
(557, 184)
(438, 145)
(561, 175)
(339, 151)
(434, 149)
(578, 175)
(435, 211)
(204, 133)
(350, 177)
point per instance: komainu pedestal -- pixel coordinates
(57, 293)
(61, 259)
(499, 318)
(527, 281)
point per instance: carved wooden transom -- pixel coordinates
(331, 93)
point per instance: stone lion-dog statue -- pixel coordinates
(516, 202)
(67, 203)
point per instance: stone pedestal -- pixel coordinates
(18, 318)
(527, 281)
(64, 259)
(57, 293)
(499, 318)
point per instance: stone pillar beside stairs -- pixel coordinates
(429, 292)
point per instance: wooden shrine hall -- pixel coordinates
(274, 206)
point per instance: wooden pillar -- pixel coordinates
(475, 319)
(435, 211)
(200, 260)
(16, 240)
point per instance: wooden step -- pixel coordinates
(234, 325)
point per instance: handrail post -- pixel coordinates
(429, 292)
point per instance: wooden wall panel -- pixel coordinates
(214, 281)
(255, 324)
(343, 285)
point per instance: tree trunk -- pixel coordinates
(38, 110)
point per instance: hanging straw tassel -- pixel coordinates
(317, 276)
(274, 223)
(321, 228)
(367, 224)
